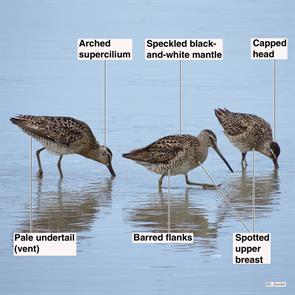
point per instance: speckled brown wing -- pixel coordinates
(61, 130)
(161, 151)
(233, 123)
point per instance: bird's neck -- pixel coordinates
(203, 141)
(265, 149)
(91, 152)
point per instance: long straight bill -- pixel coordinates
(222, 157)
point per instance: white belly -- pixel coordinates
(51, 146)
(164, 169)
(239, 143)
(183, 169)
(56, 148)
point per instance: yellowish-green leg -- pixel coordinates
(244, 162)
(59, 167)
(40, 171)
(160, 181)
(204, 185)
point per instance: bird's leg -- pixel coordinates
(160, 181)
(204, 185)
(244, 162)
(59, 167)
(40, 171)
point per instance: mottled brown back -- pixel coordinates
(60, 130)
(162, 150)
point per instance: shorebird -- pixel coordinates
(249, 132)
(177, 154)
(63, 136)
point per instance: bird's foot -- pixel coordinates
(203, 185)
(39, 174)
(210, 186)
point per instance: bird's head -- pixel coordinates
(272, 150)
(103, 155)
(210, 140)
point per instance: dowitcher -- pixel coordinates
(249, 132)
(63, 136)
(177, 154)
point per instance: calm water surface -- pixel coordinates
(40, 74)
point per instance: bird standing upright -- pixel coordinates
(62, 136)
(248, 132)
(177, 154)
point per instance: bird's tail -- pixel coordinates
(222, 115)
(134, 155)
(128, 155)
(21, 120)
(27, 124)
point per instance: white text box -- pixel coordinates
(104, 49)
(162, 238)
(251, 248)
(44, 244)
(269, 48)
(183, 49)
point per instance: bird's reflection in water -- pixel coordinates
(68, 210)
(189, 216)
(185, 216)
(239, 192)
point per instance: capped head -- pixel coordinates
(209, 137)
(274, 152)
(103, 155)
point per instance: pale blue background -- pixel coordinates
(39, 74)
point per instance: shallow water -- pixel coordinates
(40, 75)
